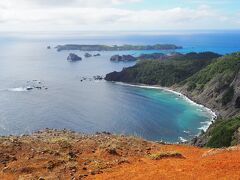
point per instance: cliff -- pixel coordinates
(216, 86)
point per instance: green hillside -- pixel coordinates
(164, 73)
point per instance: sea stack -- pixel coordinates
(95, 55)
(87, 55)
(73, 57)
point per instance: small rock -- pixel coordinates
(87, 55)
(73, 57)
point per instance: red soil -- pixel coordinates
(52, 154)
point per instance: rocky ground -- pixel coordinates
(53, 154)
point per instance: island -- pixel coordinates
(73, 57)
(69, 47)
(124, 58)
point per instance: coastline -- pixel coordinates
(212, 113)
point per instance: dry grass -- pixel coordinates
(160, 155)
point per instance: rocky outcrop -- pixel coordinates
(125, 58)
(87, 55)
(73, 57)
(95, 55)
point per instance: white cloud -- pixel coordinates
(104, 15)
(62, 3)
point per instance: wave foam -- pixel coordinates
(182, 139)
(19, 89)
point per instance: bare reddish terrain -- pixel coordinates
(53, 154)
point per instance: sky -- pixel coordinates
(118, 15)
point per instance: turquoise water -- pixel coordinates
(91, 106)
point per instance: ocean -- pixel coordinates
(89, 106)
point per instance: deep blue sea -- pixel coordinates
(92, 106)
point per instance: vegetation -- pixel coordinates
(222, 135)
(161, 155)
(164, 73)
(222, 70)
(228, 95)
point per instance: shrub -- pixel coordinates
(222, 133)
(228, 96)
(161, 155)
(191, 86)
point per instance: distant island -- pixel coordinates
(68, 47)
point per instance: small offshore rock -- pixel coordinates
(73, 57)
(87, 55)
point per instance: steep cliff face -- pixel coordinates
(217, 86)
